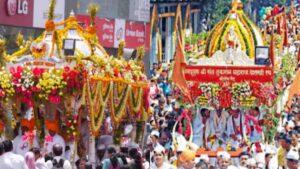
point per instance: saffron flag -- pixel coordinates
(294, 89)
(298, 58)
(178, 77)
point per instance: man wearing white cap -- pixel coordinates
(244, 156)
(271, 157)
(219, 159)
(205, 158)
(226, 160)
(159, 159)
(293, 159)
(179, 145)
(251, 163)
(154, 138)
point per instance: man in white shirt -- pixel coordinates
(58, 161)
(40, 162)
(24, 141)
(53, 137)
(202, 128)
(218, 120)
(4, 162)
(236, 127)
(14, 160)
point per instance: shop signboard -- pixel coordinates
(16, 12)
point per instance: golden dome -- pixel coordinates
(237, 26)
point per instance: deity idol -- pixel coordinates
(232, 44)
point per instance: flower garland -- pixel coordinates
(71, 127)
(96, 103)
(241, 90)
(25, 82)
(29, 137)
(52, 84)
(118, 110)
(210, 92)
(73, 78)
(270, 121)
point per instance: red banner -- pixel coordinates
(105, 31)
(135, 34)
(218, 74)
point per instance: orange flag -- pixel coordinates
(285, 35)
(295, 88)
(278, 26)
(178, 77)
(298, 58)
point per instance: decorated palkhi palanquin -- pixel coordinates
(66, 75)
(227, 74)
(236, 30)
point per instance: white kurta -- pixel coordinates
(21, 146)
(57, 139)
(5, 163)
(219, 125)
(198, 130)
(256, 136)
(17, 161)
(239, 124)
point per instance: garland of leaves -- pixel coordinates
(96, 104)
(222, 34)
(135, 102)
(250, 27)
(245, 40)
(118, 111)
(208, 42)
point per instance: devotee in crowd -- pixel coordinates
(58, 160)
(25, 141)
(53, 137)
(15, 161)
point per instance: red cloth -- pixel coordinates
(275, 10)
(52, 125)
(285, 36)
(28, 123)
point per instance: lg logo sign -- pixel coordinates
(17, 7)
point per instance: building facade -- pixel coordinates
(166, 10)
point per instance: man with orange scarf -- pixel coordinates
(53, 137)
(26, 139)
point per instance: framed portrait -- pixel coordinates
(69, 47)
(262, 55)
